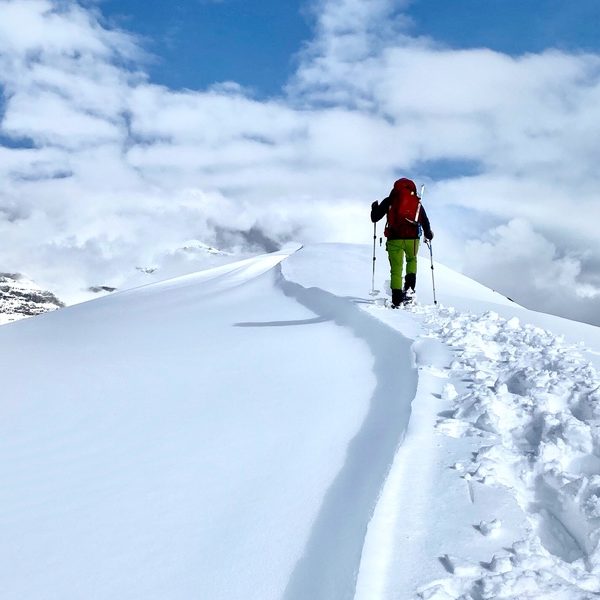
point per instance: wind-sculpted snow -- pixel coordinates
(179, 441)
(533, 401)
(329, 566)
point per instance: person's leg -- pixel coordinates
(395, 249)
(411, 249)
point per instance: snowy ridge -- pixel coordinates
(264, 430)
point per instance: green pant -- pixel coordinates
(397, 249)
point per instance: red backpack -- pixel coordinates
(405, 206)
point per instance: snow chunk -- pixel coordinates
(501, 564)
(513, 323)
(489, 527)
(449, 392)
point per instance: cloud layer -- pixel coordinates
(101, 170)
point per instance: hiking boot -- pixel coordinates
(397, 298)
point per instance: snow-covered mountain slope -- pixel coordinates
(264, 430)
(21, 298)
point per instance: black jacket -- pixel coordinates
(408, 231)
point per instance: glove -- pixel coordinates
(429, 237)
(374, 205)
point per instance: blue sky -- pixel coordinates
(199, 42)
(511, 26)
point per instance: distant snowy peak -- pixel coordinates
(21, 298)
(180, 259)
(189, 251)
(195, 246)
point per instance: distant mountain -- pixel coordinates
(21, 298)
(181, 259)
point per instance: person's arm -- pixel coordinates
(379, 210)
(424, 222)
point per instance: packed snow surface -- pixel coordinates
(269, 430)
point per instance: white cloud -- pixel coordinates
(529, 268)
(50, 27)
(121, 168)
(59, 123)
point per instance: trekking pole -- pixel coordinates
(428, 242)
(373, 291)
